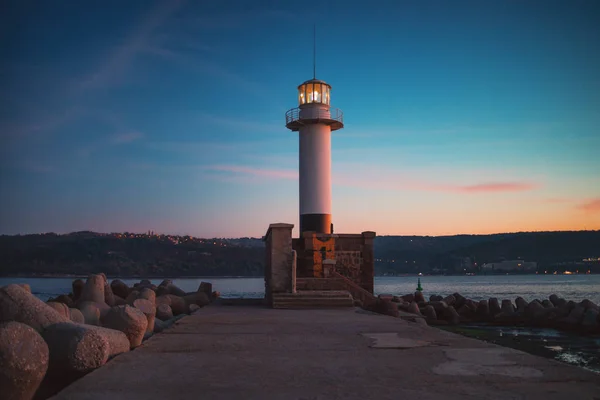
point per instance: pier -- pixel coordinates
(254, 352)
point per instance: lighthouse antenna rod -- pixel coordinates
(314, 51)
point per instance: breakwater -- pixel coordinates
(45, 346)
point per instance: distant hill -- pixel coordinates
(128, 254)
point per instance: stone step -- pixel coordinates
(312, 302)
(314, 293)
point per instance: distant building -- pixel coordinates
(510, 265)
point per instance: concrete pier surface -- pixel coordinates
(249, 352)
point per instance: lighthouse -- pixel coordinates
(314, 119)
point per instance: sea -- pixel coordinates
(476, 287)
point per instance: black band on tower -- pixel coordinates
(320, 223)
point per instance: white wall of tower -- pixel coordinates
(315, 169)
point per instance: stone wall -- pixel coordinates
(353, 255)
(279, 262)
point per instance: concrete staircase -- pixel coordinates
(313, 299)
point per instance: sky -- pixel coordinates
(461, 117)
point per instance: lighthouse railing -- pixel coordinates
(335, 114)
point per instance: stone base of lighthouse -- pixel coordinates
(317, 262)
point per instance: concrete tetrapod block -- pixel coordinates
(193, 308)
(149, 311)
(198, 298)
(94, 289)
(63, 298)
(117, 340)
(16, 304)
(164, 312)
(128, 320)
(77, 286)
(119, 301)
(109, 296)
(148, 294)
(24, 360)
(90, 311)
(119, 288)
(205, 287)
(25, 286)
(175, 290)
(132, 296)
(177, 304)
(75, 349)
(76, 316)
(62, 308)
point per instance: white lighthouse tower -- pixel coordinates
(315, 119)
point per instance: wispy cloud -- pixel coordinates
(375, 183)
(259, 172)
(590, 206)
(121, 58)
(126, 137)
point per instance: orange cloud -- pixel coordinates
(495, 187)
(592, 205)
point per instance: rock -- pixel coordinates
(554, 299)
(109, 296)
(119, 288)
(148, 294)
(63, 298)
(77, 286)
(61, 308)
(128, 320)
(429, 313)
(494, 306)
(547, 304)
(164, 312)
(93, 289)
(90, 312)
(198, 298)
(149, 311)
(24, 358)
(419, 296)
(460, 300)
(206, 288)
(521, 304)
(25, 287)
(386, 307)
(451, 316)
(75, 349)
(575, 317)
(438, 306)
(193, 308)
(76, 316)
(450, 300)
(589, 305)
(132, 296)
(590, 319)
(413, 308)
(16, 304)
(385, 297)
(408, 298)
(159, 325)
(564, 310)
(483, 311)
(118, 342)
(178, 304)
(174, 290)
(507, 307)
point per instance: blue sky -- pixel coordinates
(460, 117)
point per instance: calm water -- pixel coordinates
(571, 287)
